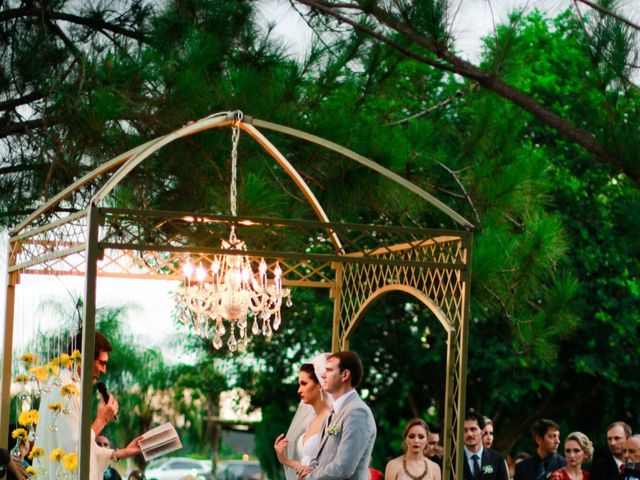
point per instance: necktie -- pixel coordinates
(326, 425)
(476, 466)
(622, 468)
(541, 472)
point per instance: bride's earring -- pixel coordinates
(321, 396)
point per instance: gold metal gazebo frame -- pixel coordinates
(357, 263)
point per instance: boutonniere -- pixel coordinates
(333, 430)
(487, 469)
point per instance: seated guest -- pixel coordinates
(632, 449)
(12, 466)
(480, 461)
(413, 464)
(546, 435)
(110, 473)
(577, 450)
(487, 433)
(609, 465)
(433, 445)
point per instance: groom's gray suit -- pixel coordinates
(346, 443)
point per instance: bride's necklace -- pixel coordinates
(410, 475)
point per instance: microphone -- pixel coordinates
(102, 388)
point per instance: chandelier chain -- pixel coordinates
(233, 193)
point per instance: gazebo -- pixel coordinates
(356, 263)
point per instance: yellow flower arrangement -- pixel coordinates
(20, 433)
(22, 378)
(70, 389)
(70, 461)
(56, 407)
(41, 373)
(76, 355)
(29, 418)
(56, 455)
(65, 360)
(31, 471)
(29, 359)
(36, 452)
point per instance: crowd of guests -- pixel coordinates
(618, 462)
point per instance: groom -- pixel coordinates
(350, 431)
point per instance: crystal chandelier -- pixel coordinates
(229, 291)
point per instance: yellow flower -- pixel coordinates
(31, 471)
(70, 389)
(55, 361)
(53, 368)
(29, 418)
(56, 455)
(76, 355)
(22, 378)
(20, 433)
(65, 361)
(56, 407)
(36, 452)
(40, 373)
(70, 461)
(29, 359)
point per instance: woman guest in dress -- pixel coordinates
(487, 433)
(302, 441)
(577, 450)
(413, 464)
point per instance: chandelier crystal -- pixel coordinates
(229, 291)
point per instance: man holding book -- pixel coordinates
(58, 426)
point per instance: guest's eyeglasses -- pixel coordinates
(572, 450)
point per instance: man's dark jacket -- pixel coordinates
(492, 467)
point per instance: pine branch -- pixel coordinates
(16, 102)
(455, 64)
(610, 13)
(94, 23)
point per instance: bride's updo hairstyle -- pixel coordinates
(309, 370)
(414, 422)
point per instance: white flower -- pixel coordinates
(334, 430)
(487, 469)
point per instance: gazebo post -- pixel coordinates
(88, 340)
(5, 398)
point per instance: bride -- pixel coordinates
(301, 443)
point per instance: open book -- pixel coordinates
(159, 441)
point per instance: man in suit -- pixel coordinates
(632, 449)
(481, 463)
(546, 435)
(433, 445)
(609, 465)
(348, 435)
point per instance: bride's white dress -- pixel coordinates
(306, 450)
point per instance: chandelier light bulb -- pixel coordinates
(187, 270)
(201, 273)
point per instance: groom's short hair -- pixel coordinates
(350, 361)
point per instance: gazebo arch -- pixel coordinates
(356, 263)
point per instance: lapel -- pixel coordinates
(467, 470)
(336, 419)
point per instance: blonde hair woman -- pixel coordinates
(413, 464)
(578, 449)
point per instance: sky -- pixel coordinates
(151, 302)
(472, 20)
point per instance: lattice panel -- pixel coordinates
(132, 263)
(56, 246)
(443, 285)
(443, 277)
